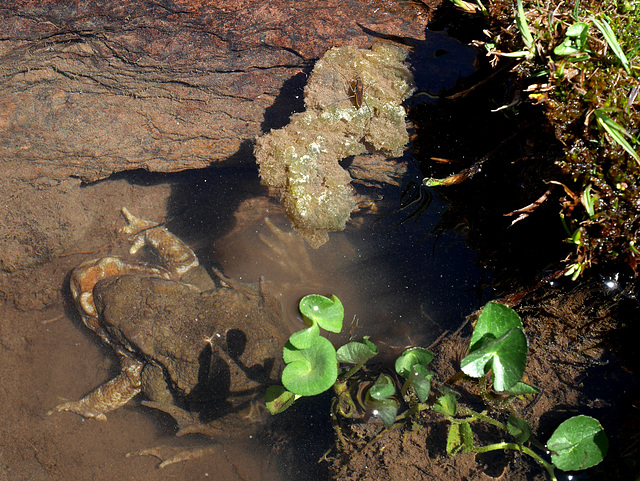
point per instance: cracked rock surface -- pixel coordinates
(88, 89)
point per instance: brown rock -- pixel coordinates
(92, 88)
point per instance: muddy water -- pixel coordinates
(400, 289)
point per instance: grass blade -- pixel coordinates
(616, 131)
(521, 22)
(611, 39)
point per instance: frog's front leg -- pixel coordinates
(110, 396)
(176, 255)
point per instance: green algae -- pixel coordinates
(300, 162)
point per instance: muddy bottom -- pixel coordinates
(398, 295)
(395, 285)
(566, 329)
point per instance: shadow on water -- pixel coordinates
(403, 287)
(404, 284)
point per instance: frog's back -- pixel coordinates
(222, 343)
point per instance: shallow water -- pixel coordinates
(402, 287)
(401, 290)
(397, 285)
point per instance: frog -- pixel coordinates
(202, 348)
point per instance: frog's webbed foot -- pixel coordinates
(177, 256)
(172, 454)
(110, 396)
(286, 245)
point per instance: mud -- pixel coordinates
(575, 372)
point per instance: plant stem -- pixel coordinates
(412, 410)
(482, 417)
(351, 371)
(517, 447)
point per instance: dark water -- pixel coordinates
(403, 284)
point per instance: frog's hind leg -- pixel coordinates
(178, 257)
(110, 396)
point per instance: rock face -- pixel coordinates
(96, 88)
(92, 88)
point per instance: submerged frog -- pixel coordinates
(202, 350)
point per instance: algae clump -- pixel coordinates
(301, 161)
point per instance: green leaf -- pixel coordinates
(304, 338)
(616, 131)
(357, 352)
(328, 313)
(411, 357)
(420, 381)
(520, 388)
(575, 41)
(460, 437)
(383, 388)
(278, 399)
(589, 201)
(494, 321)
(578, 443)
(385, 409)
(446, 405)
(521, 22)
(611, 39)
(506, 357)
(578, 31)
(519, 428)
(310, 371)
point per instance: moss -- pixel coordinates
(570, 91)
(301, 161)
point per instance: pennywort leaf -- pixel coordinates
(578, 443)
(328, 313)
(310, 371)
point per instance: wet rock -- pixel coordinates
(93, 88)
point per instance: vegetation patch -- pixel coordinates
(578, 60)
(495, 364)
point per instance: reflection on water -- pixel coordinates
(401, 289)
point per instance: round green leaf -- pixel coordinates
(505, 356)
(328, 313)
(411, 357)
(494, 321)
(310, 371)
(304, 338)
(578, 443)
(385, 409)
(383, 388)
(357, 352)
